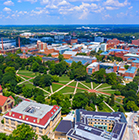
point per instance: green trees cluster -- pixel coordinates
(101, 76)
(36, 94)
(130, 102)
(59, 99)
(77, 71)
(42, 80)
(58, 69)
(22, 132)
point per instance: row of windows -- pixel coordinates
(100, 120)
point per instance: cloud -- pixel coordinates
(63, 3)
(51, 6)
(8, 3)
(130, 7)
(6, 9)
(44, 1)
(116, 3)
(31, 1)
(111, 8)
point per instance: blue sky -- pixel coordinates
(26, 12)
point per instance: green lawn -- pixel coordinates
(118, 100)
(28, 85)
(67, 90)
(47, 89)
(105, 108)
(111, 92)
(73, 84)
(87, 84)
(81, 86)
(27, 73)
(80, 90)
(104, 85)
(56, 87)
(115, 107)
(64, 78)
(95, 85)
(31, 80)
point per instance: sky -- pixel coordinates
(38, 12)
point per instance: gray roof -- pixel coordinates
(38, 110)
(64, 126)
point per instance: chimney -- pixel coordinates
(10, 113)
(2, 43)
(23, 116)
(19, 41)
(38, 120)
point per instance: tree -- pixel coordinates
(132, 106)
(10, 70)
(121, 109)
(111, 78)
(3, 136)
(117, 93)
(136, 80)
(60, 57)
(41, 69)
(112, 100)
(40, 99)
(45, 137)
(126, 66)
(27, 92)
(24, 132)
(79, 101)
(35, 67)
(99, 76)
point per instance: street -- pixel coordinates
(131, 129)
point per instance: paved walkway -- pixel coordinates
(51, 89)
(96, 108)
(75, 88)
(98, 86)
(91, 85)
(109, 106)
(84, 85)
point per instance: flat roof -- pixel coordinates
(131, 70)
(64, 126)
(39, 109)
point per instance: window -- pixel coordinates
(7, 121)
(40, 130)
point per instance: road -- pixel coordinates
(131, 130)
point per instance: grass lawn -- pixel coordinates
(64, 78)
(56, 87)
(67, 89)
(47, 89)
(104, 85)
(87, 84)
(27, 73)
(73, 84)
(31, 80)
(28, 85)
(115, 107)
(63, 82)
(105, 108)
(111, 92)
(106, 89)
(95, 85)
(81, 86)
(80, 90)
(118, 100)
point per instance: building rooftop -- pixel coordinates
(73, 53)
(33, 113)
(131, 55)
(32, 109)
(64, 126)
(131, 70)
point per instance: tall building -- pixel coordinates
(41, 117)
